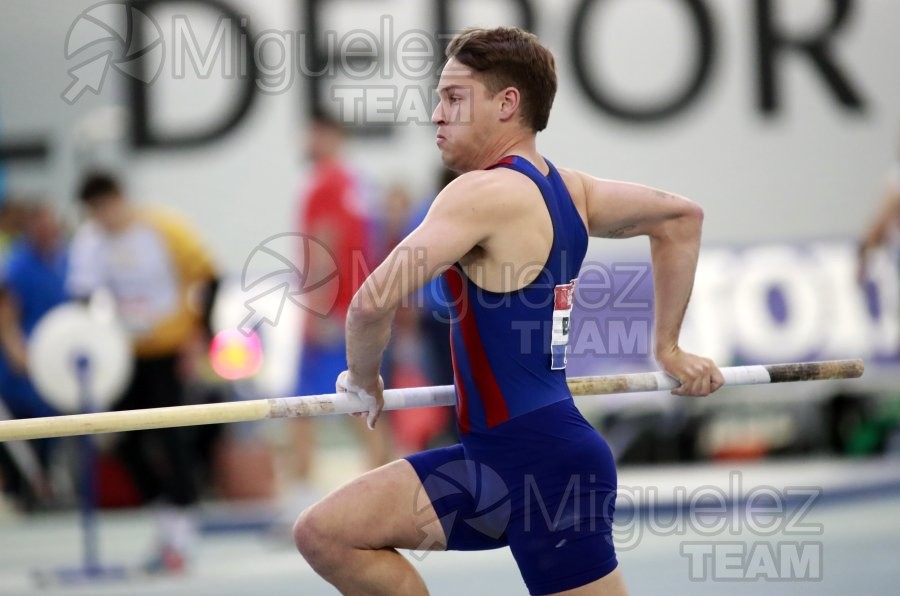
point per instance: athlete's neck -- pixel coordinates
(524, 145)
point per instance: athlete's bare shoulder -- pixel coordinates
(575, 183)
(485, 195)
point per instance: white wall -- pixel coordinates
(812, 171)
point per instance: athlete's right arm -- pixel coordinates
(462, 217)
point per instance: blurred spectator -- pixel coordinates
(332, 213)
(394, 220)
(404, 362)
(392, 226)
(155, 268)
(886, 221)
(435, 426)
(33, 283)
(12, 216)
(434, 316)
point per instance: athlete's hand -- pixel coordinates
(371, 394)
(698, 376)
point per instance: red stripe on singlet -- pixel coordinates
(454, 283)
(495, 408)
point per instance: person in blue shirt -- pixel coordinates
(32, 283)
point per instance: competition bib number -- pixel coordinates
(564, 296)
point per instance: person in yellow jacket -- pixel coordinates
(162, 281)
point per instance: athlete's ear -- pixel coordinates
(510, 99)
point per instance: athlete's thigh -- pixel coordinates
(611, 584)
(386, 507)
(468, 497)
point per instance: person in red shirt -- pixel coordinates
(332, 215)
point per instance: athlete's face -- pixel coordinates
(463, 117)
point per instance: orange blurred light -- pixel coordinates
(234, 355)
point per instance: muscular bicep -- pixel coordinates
(457, 222)
(623, 209)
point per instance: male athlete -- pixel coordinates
(509, 235)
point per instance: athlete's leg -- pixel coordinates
(611, 584)
(350, 536)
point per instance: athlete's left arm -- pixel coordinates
(673, 224)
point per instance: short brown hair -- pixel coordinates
(511, 57)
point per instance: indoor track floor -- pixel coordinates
(859, 540)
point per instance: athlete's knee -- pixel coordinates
(315, 538)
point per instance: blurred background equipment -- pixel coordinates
(79, 361)
(68, 332)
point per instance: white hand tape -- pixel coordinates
(343, 383)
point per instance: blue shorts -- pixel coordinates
(543, 483)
